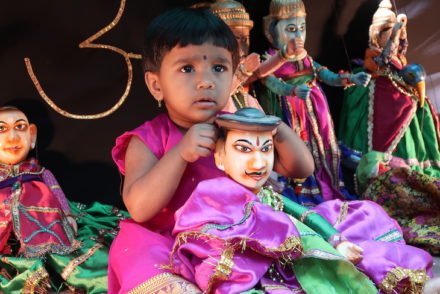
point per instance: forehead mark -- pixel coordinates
(258, 141)
(205, 57)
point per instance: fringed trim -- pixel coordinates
(38, 282)
(291, 244)
(165, 283)
(73, 264)
(405, 280)
(223, 269)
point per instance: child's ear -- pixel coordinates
(219, 154)
(153, 83)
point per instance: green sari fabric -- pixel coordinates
(419, 144)
(83, 270)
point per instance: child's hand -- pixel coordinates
(199, 141)
(351, 251)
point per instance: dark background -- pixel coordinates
(88, 81)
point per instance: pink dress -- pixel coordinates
(140, 251)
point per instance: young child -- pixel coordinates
(227, 251)
(189, 59)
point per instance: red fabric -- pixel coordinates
(390, 114)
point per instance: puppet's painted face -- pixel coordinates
(247, 157)
(288, 29)
(17, 136)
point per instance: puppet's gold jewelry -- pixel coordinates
(88, 43)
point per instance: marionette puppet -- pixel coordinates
(392, 125)
(46, 242)
(250, 69)
(234, 234)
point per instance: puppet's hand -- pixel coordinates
(360, 78)
(351, 251)
(251, 63)
(302, 91)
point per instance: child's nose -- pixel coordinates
(205, 83)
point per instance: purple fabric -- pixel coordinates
(52, 183)
(196, 258)
(140, 248)
(369, 226)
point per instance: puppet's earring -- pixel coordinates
(33, 145)
(159, 103)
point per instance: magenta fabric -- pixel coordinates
(221, 201)
(139, 249)
(366, 224)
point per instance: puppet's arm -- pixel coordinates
(342, 78)
(323, 228)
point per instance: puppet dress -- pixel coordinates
(39, 251)
(141, 250)
(383, 122)
(229, 240)
(311, 120)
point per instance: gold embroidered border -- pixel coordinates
(290, 244)
(165, 283)
(342, 213)
(223, 269)
(37, 282)
(73, 264)
(416, 280)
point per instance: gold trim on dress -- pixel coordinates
(73, 264)
(165, 283)
(415, 280)
(38, 282)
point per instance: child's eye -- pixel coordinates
(187, 68)
(219, 68)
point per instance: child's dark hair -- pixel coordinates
(182, 27)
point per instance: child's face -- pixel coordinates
(248, 157)
(16, 136)
(194, 81)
